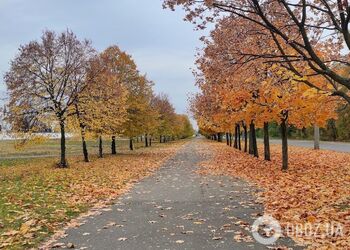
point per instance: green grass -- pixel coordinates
(10, 155)
(32, 189)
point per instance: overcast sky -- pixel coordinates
(161, 43)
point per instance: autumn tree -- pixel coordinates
(310, 31)
(185, 128)
(101, 107)
(256, 92)
(167, 116)
(46, 78)
(139, 110)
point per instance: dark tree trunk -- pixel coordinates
(146, 140)
(284, 134)
(245, 138)
(255, 144)
(266, 142)
(239, 137)
(141, 138)
(83, 140)
(150, 140)
(85, 150)
(215, 137)
(235, 144)
(131, 144)
(316, 137)
(160, 139)
(100, 147)
(63, 162)
(219, 137)
(113, 147)
(251, 147)
(230, 139)
(333, 129)
(227, 139)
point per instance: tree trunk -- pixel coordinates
(255, 144)
(146, 140)
(230, 139)
(83, 140)
(266, 142)
(160, 139)
(245, 138)
(251, 147)
(239, 136)
(100, 147)
(137, 139)
(141, 138)
(150, 140)
(284, 134)
(235, 144)
(113, 147)
(316, 137)
(63, 162)
(219, 137)
(85, 150)
(227, 139)
(333, 129)
(131, 144)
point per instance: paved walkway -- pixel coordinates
(336, 146)
(176, 208)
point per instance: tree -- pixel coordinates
(101, 107)
(167, 116)
(46, 78)
(139, 100)
(312, 32)
(256, 92)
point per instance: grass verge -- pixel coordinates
(37, 199)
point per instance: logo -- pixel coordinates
(266, 230)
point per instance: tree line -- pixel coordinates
(279, 62)
(64, 82)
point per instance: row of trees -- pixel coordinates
(62, 81)
(269, 61)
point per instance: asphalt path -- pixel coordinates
(335, 146)
(177, 208)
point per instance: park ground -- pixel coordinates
(37, 199)
(200, 195)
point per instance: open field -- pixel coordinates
(12, 155)
(37, 199)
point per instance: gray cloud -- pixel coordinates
(162, 44)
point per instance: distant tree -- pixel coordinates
(46, 78)
(138, 111)
(185, 127)
(167, 116)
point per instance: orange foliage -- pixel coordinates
(314, 190)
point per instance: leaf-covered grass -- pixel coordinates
(11, 155)
(36, 199)
(315, 189)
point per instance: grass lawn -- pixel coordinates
(37, 199)
(11, 155)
